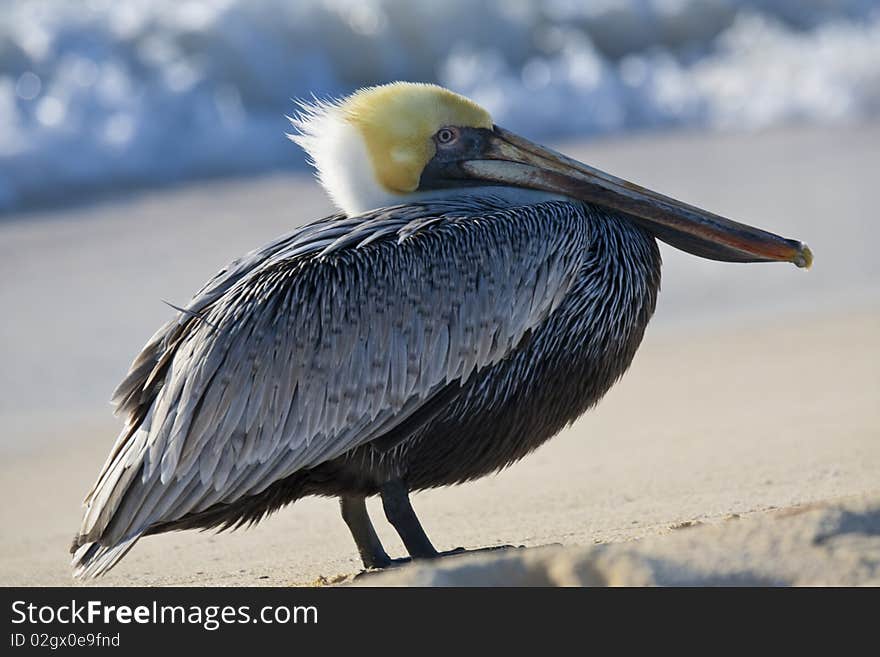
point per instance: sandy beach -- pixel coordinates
(757, 388)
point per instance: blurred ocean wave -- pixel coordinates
(103, 94)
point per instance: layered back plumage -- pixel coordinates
(298, 353)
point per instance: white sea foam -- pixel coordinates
(101, 94)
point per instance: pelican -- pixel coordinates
(475, 293)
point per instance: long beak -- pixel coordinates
(511, 160)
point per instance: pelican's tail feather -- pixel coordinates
(93, 559)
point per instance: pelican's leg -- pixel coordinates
(354, 513)
(398, 510)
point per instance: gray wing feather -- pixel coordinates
(319, 343)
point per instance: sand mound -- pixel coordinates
(818, 545)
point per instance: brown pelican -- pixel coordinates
(475, 293)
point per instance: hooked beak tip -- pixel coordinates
(804, 257)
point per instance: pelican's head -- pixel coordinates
(371, 148)
(404, 142)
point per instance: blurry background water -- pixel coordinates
(104, 94)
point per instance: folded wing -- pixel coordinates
(317, 344)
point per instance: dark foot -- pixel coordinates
(491, 548)
(395, 563)
(391, 563)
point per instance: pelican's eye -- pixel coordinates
(446, 136)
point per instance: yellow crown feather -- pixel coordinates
(397, 122)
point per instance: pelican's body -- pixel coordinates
(506, 410)
(476, 294)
